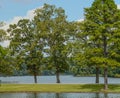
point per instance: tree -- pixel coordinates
(76, 43)
(5, 59)
(2, 24)
(53, 23)
(2, 35)
(6, 63)
(101, 23)
(26, 44)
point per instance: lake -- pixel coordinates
(59, 95)
(69, 79)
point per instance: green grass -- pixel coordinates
(57, 88)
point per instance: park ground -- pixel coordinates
(59, 88)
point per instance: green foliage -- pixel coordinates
(27, 45)
(2, 35)
(5, 59)
(101, 29)
(49, 41)
(52, 22)
(6, 63)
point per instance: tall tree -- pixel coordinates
(53, 24)
(101, 24)
(6, 63)
(26, 44)
(5, 59)
(76, 44)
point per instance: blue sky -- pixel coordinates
(13, 10)
(74, 8)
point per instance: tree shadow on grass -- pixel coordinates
(92, 87)
(114, 87)
(100, 88)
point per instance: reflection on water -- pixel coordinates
(59, 95)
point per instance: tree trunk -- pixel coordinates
(105, 69)
(35, 73)
(105, 79)
(35, 78)
(57, 77)
(97, 75)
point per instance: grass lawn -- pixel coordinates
(57, 88)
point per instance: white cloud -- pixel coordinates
(118, 6)
(80, 20)
(30, 14)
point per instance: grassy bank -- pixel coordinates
(58, 88)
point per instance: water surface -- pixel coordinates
(52, 79)
(59, 95)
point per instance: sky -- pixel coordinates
(13, 9)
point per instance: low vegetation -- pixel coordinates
(58, 88)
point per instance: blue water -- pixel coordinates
(52, 79)
(59, 95)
